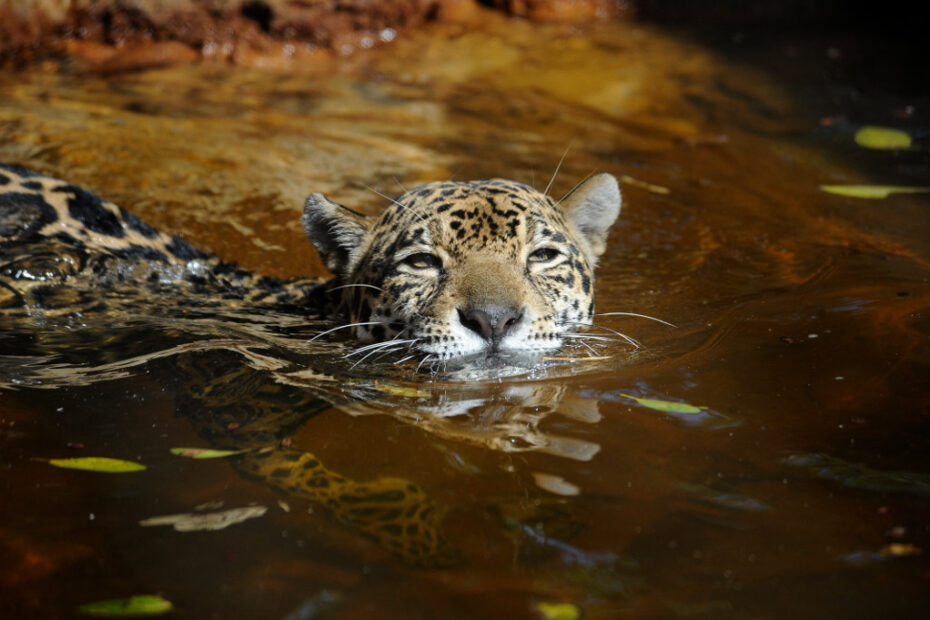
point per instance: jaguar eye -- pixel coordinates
(422, 260)
(543, 255)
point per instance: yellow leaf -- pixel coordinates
(98, 463)
(655, 189)
(871, 191)
(900, 549)
(665, 405)
(204, 453)
(397, 390)
(134, 606)
(872, 137)
(558, 611)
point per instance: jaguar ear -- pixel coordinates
(335, 230)
(593, 207)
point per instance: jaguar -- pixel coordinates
(448, 271)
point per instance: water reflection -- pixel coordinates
(499, 417)
(248, 380)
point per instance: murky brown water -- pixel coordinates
(803, 327)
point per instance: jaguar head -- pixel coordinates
(456, 269)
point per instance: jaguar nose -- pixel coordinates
(491, 322)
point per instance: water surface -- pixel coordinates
(800, 488)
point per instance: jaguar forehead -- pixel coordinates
(474, 214)
(442, 196)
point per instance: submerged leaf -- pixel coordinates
(555, 484)
(722, 499)
(665, 405)
(98, 463)
(872, 137)
(204, 453)
(856, 476)
(191, 522)
(871, 191)
(558, 611)
(138, 605)
(398, 390)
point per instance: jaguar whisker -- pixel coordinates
(595, 325)
(588, 347)
(423, 361)
(557, 168)
(595, 337)
(379, 345)
(329, 331)
(399, 204)
(577, 185)
(628, 339)
(382, 350)
(401, 346)
(642, 316)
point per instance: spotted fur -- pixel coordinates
(61, 246)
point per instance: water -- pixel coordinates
(800, 489)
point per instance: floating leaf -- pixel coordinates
(665, 405)
(900, 549)
(204, 453)
(138, 605)
(655, 189)
(398, 390)
(192, 522)
(558, 611)
(872, 137)
(98, 463)
(871, 191)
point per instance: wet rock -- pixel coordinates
(224, 29)
(102, 58)
(251, 32)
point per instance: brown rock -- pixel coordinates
(149, 34)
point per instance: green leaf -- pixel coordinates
(138, 605)
(665, 405)
(558, 611)
(871, 191)
(872, 137)
(204, 453)
(98, 463)
(398, 390)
